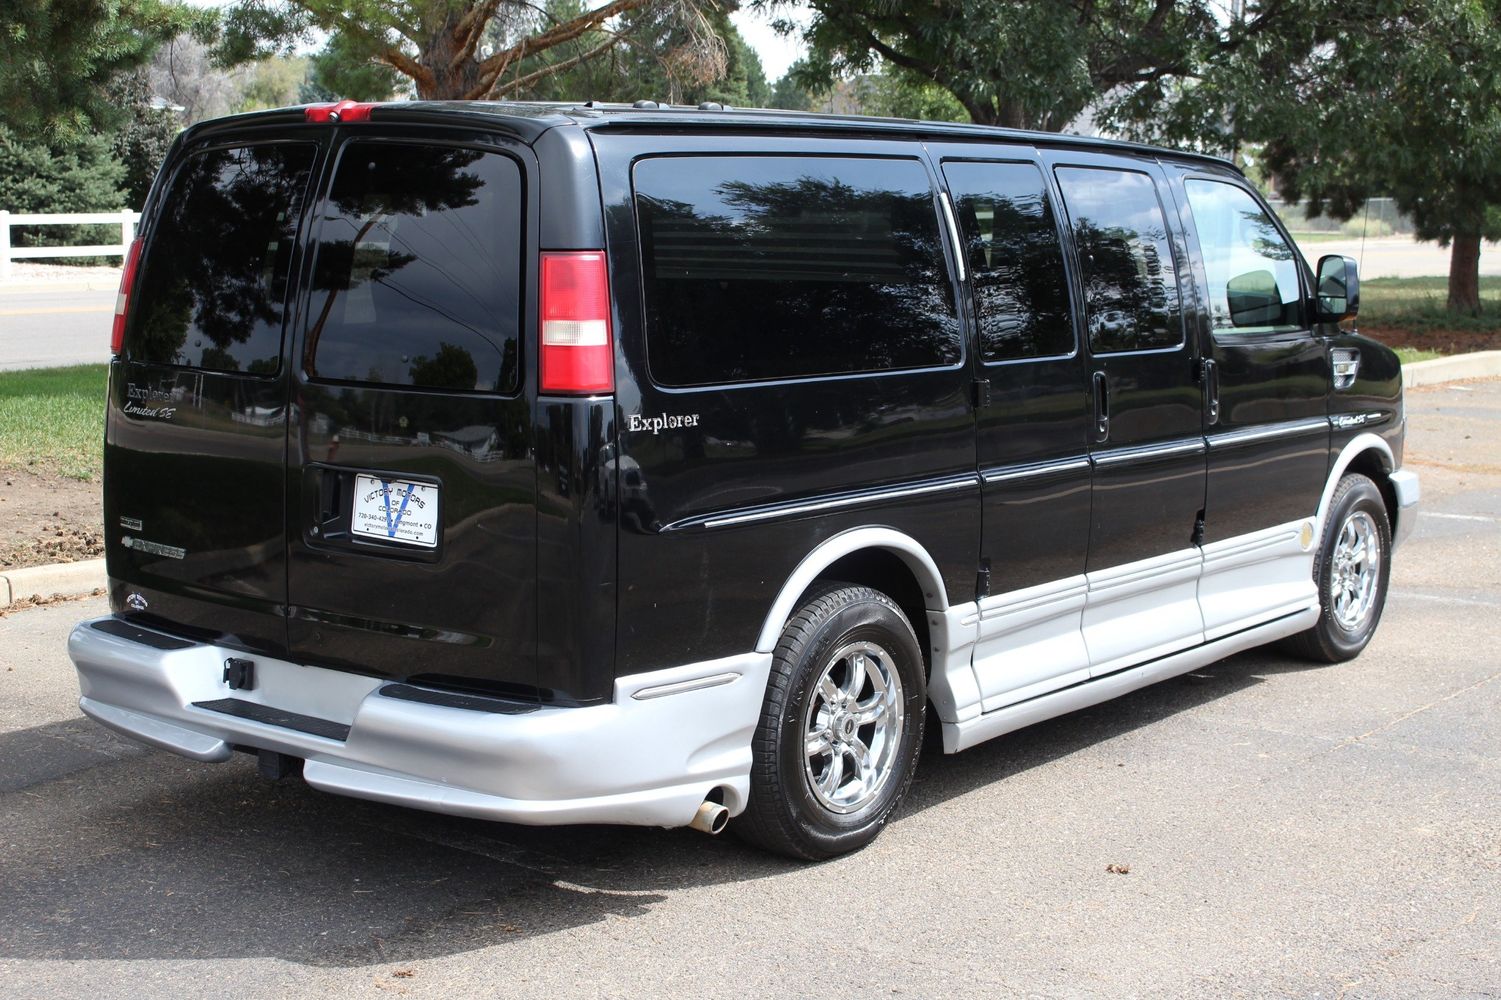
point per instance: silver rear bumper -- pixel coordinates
(669, 738)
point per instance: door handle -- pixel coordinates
(328, 499)
(1101, 407)
(1211, 391)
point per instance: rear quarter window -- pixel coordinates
(757, 268)
(213, 287)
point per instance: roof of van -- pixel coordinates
(531, 118)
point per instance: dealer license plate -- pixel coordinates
(395, 510)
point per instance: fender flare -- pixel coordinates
(832, 549)
(1357, 446)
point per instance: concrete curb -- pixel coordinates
(1480, 364)
(60, 579)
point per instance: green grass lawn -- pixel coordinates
(1418, 304)
(1410, 355)
(1335, 237)
(52, 419)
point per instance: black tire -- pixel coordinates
(1356, 501)
(786, 814)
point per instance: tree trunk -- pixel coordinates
(1464, 274)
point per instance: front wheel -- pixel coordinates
(840, 728)
(1352, 573)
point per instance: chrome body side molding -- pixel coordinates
(1038, 470)
(1290, 428)
(1144, 453)
(821, 504)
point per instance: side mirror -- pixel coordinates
(1254, 299)
(1338, 288)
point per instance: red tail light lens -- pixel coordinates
(576, 356)
(343, 111)
(122, 300)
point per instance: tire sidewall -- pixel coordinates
(1361, 495)
(826, 831)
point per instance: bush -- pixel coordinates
(81, 175)
(1370, 228)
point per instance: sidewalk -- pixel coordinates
(28, 276)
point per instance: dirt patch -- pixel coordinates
(1442, 341)
(46, 518)
(37, 601)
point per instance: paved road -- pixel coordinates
(1290, 830)
(1398, 257)
(42, 329)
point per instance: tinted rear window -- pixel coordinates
(213, 287)
(418, 272)
(759, 268)
(1015, 259)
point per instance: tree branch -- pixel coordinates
(522, 82)
(496, 64)
(398, 60)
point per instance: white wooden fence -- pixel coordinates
(125, 219)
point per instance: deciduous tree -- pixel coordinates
(1360, 98)
(1020, 63)
(457, 49)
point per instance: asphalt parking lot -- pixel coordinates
(1286, 830)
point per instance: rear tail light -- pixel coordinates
(122, 300)
(576, 356)
(343, 111)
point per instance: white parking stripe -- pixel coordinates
(1458, 517)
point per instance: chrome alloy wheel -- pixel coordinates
(853, 729)
(1355, 571)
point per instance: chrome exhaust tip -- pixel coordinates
(711, 818)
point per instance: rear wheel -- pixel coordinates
(840, 728)
(1352, 573)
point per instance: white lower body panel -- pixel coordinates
(963, 735)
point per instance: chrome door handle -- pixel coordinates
(1101, 407)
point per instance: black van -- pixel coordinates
(657, 465)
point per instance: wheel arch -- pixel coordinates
(881, 558)
(1369, 455)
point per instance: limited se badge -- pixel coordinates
(395, 510)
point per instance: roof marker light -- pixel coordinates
(342, 112)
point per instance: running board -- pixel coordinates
(963, 735)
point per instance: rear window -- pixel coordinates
(213, 287)
(758, 268)
(418, 273)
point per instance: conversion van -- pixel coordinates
(675, 466)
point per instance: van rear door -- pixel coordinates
(412, 495)
(196, 430)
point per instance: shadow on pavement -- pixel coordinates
(114, 851)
